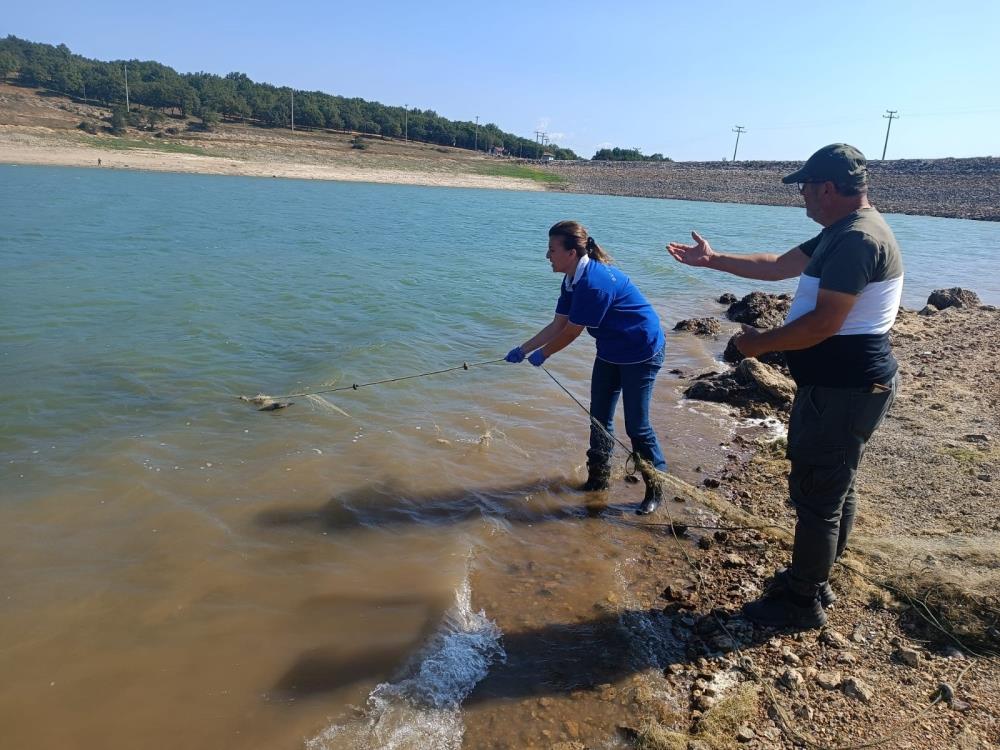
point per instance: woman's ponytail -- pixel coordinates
(596, 252)
(574, 237)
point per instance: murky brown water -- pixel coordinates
(257, 597)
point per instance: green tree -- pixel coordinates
(118, 119)
(8, 64)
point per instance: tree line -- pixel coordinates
(236, 98)
(627, 154)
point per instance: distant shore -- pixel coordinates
(950, 188)
(41, 128)
(23, 147)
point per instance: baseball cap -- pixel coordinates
(839, 163)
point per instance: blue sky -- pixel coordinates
(669, 77)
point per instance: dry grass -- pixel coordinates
(717, 728)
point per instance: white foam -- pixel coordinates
(774, 429)
(423, 709)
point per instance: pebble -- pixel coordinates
(833, 639)
(791, 679)
(908, 656)
(704, 702)
(858, 689)
(789, 657)
(829, 680)
(745, 734)
(733, 561)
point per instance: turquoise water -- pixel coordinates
(126, 296)
(152, 524)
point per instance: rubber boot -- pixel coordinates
(652, 500)
(598, 478)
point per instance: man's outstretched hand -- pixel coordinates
(698, 254)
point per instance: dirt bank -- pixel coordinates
(907, 663)
(957, 188)
(41, 129)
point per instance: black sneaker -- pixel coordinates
(780, 581)
(783, 609)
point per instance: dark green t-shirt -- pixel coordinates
(857, 255)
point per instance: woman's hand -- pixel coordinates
(698, 254)
(515, 355)
(537, 358)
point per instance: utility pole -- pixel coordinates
(475, 146)
(293, 110)
(406, 124)
(891, 114)
(125, 65)
(738, 129)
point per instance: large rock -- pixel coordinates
(775, 387)
(954, 297)
(750, 385)
(760, 310)
(700, 326)
(734, 356)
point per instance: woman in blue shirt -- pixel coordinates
(599, 297)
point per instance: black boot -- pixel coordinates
(654, 495)
(598, 478)
(780, 581)
(784, 609)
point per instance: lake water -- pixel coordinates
(180, 570)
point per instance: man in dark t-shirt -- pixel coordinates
(836, 341)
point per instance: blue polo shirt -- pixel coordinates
(603, 299)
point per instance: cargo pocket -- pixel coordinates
(819, 421)
(867, 412)
(820, 477)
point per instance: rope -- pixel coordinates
(632, 456)
(943, 693)
(357, 386)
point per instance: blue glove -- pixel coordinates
(537, 358)
(515, 355)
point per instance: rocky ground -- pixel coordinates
(909, 658)
(958, 188)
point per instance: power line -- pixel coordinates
(738, 129)
(890, 116)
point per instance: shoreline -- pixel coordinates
(46, 129)
(916, 601)
(46, 151)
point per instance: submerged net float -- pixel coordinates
(273, 403)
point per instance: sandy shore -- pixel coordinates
(37, 146)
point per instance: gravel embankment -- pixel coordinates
(956, 188)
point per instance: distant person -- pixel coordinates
(599, 297)
(98, 162)
(836, 342)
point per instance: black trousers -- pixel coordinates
(827, 434)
